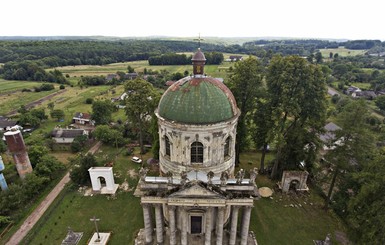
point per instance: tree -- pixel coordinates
(380, 102)
(102, 111)
(263, 133)
(245, 84)
(141, 102)
(89, 101)
(39, 113)
(36, 153)
(57, 114)
(353, 142)
(291, 82)
(366, 209)
(51, 106)
(79, 143)
(48, 166)
(79, 173)
(29, 119)
(4, 220)
(108, 135)
(318, 57)
(130, 69)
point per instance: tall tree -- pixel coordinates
(318, 57)
(297, 92)
(263, 132)
(245, 83)
(102, 111)
(79, 173)
(57, 114)
(353, 142)
(141, 102)
(366, 209)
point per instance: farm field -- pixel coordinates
(341, 52)
(75, 72)
(11, 86)
(13, 101)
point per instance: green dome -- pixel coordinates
(198, 100)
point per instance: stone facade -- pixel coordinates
(200, 209)
(182, 136)
(294, 179)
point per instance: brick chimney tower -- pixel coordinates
(16, 146)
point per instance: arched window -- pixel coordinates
(167, 146)
(197, 152)
(226, 150)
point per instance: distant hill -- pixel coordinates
(212, 40)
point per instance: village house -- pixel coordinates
(82, 119)
(66, 136)
(130, 76)
(329, 137)
(6, 124)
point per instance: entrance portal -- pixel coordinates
(196, 224)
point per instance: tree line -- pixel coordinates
(212, 58)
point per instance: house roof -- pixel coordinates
(7, 123)
(330, 128)
(82, 115)
(67, 133)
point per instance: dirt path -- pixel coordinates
(43, 206)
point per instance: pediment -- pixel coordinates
(194, 191)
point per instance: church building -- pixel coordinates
(198, 198)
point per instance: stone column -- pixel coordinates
(219, 231)
(183, 235)
(245, 225)
(208, 226)
(171, 217)
(159, 223)
(147, 222)
(234, 223)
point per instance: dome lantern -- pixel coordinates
(198, 61)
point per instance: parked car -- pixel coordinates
(136, 159)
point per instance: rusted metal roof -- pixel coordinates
(198, 100)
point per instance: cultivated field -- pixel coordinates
(7, 86)
(75, 72)
(341, 51)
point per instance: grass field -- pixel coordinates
(273, 220)
(364, 86)
(13, 101)
(7, 86)
(341, 52)
(75, 72)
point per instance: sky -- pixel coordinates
(331, 19)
